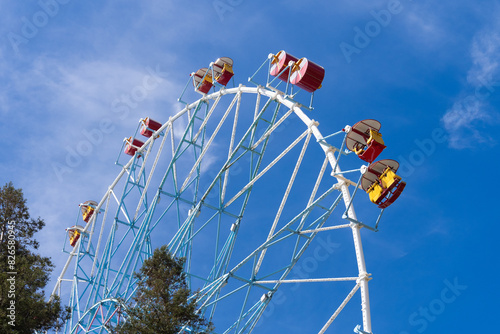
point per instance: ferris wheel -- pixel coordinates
(240, 182)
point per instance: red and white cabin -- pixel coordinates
(202, 83)
(307, 75)
(365, 140)
(132, 146)
(279, 62)
(223, 70)
(149, 126)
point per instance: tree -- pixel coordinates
(13, 209)
(161, 302)
(23, 273)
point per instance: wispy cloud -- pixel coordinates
(62, 94)
(466, 119)
(62, 102)
(485, 55)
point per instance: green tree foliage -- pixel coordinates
(13, 208)
(23, 273)
(161, 302)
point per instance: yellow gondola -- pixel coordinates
(74, 233)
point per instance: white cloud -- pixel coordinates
(465, 120)
(426, 28)
(460, 122)
(485, 54)
(123, 66)
(59, 100)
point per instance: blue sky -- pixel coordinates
(428, 71)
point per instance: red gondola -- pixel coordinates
(365, 140)
(202, 83)
(307, 75)
(279, 62)
(132, 146)
(149, 125)
(223, 70)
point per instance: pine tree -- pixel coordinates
(161, 302)
(13, 209)
(23, 273)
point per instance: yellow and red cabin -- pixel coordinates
(88, 209)
(381, 182)
(74, 233)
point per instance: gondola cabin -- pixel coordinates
(202, 80)
(149, 126)
(74, 233)
(365, 140)
(223, 70)
(132, 145)
(279, 62)
(381, 182)
(307, 75)
(88, 209)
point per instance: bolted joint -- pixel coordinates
(338, 186)
(313, 123)
(364, 277)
